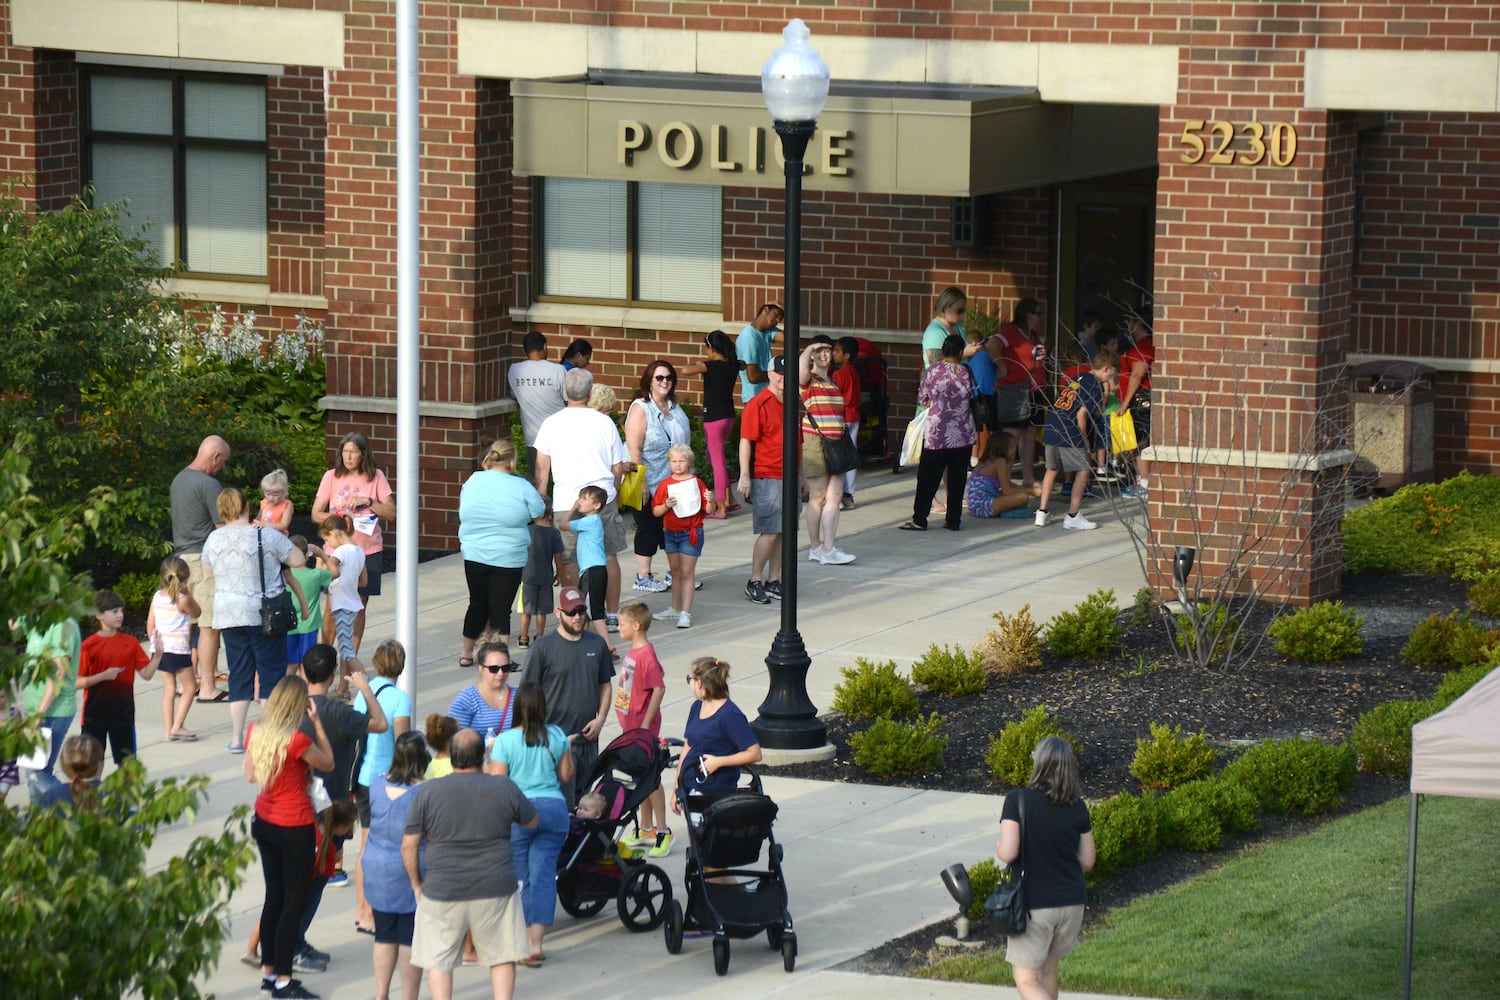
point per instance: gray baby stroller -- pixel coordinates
(728, 893)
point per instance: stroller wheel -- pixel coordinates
(570, 895)
(672, 929)
(644, 897)
(773, 936)
(789, 952)
(721, 955)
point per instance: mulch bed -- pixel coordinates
(1107, 704)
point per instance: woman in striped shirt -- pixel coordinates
(823, 416)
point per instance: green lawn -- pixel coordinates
(1319, 916)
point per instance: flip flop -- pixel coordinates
(463, 662)
(182, 737)
(364, 930)
(218, 697)
(913, 526)
(239, 750)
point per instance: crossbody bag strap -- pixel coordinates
(260, 561)
(1022, 807)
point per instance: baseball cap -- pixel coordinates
(570, 600)
(778, 364)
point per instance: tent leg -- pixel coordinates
(1411, 895)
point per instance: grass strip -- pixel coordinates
(1321, 915)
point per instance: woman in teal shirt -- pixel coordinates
(495, 511)
(537, 758)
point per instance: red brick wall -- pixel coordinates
(296, 132)
(1428, 271)
(57, 121)
(18, 137)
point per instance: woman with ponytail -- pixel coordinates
(278, 758)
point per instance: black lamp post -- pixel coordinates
(794, 83)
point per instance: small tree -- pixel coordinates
(85, 915)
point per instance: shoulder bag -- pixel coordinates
(979, 406)
(278, 615)
(1007, 904)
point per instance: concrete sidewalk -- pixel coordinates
(862, 862)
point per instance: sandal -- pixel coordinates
(532, 961)
(362, 929)
(218, 697)
(913, 526)
(465, 661)
(184, 736)
(523, 642)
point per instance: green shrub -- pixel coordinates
(1454, 685)
(1484, 594)
(1297, 775)
(1444, 528)
(1127, 831)
(1216, 629)
(137, 589)
(874, 690)
(1451, 640)
(1088, 630)
(1009, 755)
(1324, 632)
(1143, 609)
(1015, 647)
(889, 747)
(983, 877)
(1167, 760)
(1188, 819)
(1382, 736)
(950, 670)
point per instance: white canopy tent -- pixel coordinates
(1456, 752)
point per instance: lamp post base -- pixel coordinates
(786, 758)
(788, 720)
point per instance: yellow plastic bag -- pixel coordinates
(1122, 432)
(633, 488)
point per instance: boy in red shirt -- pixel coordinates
(108, 663)
(638, 706)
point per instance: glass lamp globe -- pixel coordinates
(794, 81)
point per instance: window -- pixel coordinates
(188, 152)
(630, 242)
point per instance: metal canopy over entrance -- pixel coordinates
(879, 138)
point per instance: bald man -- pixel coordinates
(195, 513)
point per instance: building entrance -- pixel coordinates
(1104, 251)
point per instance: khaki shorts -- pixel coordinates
(203, 588)
(614, 533)
(1051, 931)
(812, 458)
(498, 926)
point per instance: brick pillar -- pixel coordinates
(18, 152)
(460, 365)
(1253, 280)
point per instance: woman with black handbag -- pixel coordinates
(1046, 827)
(827, 451)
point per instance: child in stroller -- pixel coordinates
(596, 864)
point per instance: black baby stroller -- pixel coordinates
(596, 865)
(726, 836)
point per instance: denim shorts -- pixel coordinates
(681, 542)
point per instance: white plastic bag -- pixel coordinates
(911, 444)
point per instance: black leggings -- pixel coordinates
(930, 468)
(492, 590)
(286, 860)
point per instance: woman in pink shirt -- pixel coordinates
(357, 490)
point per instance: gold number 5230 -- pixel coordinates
(1278, 152)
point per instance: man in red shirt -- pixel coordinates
(1136, 395)
(760, 480)
(846, 377)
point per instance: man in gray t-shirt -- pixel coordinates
(536, 385)
(575, 669)
(463, 822)
(195, 514)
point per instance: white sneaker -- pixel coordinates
(815, 555)
(837, 557)
(649, 584)
(1078, 523)
(665, 614)
(1043, 519)
(684, 620)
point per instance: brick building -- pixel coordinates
(1298, 186)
